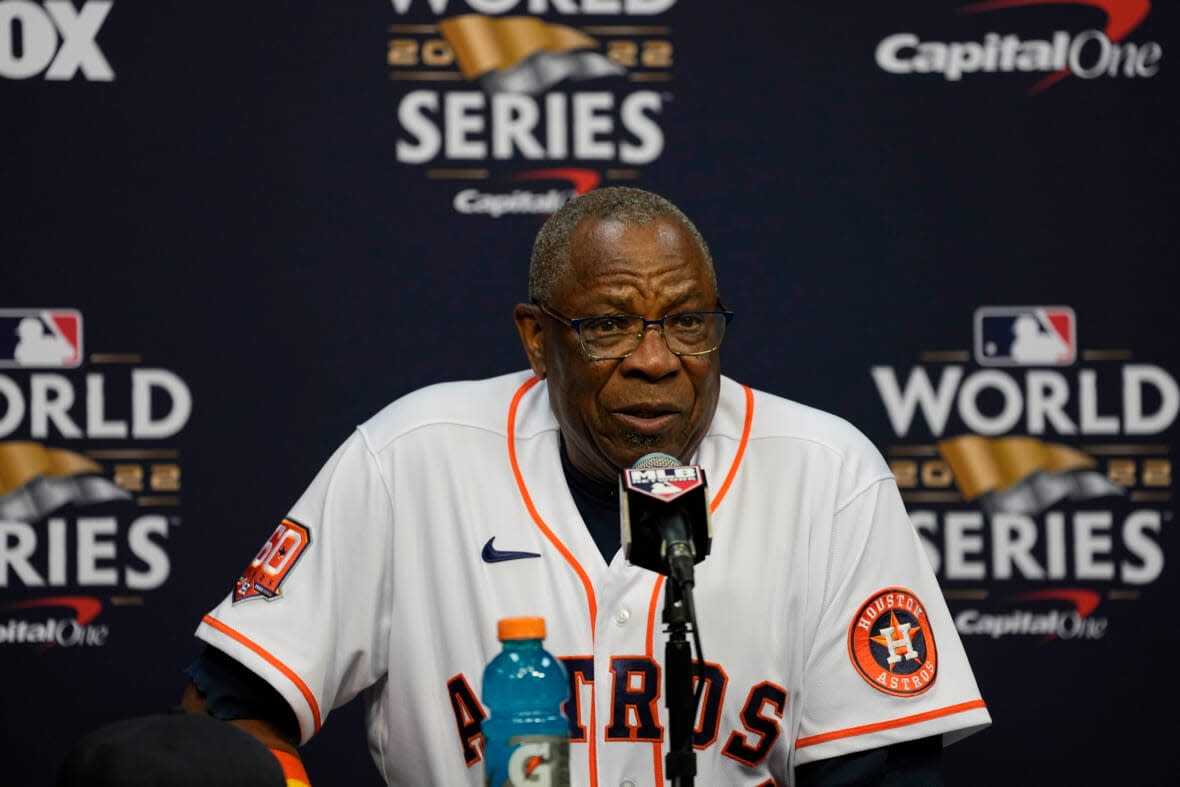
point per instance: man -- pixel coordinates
(830, 655)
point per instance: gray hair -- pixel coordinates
(550, 262)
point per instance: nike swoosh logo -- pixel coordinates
(492, 555)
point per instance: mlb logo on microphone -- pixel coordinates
(40, 338)
(664, 483)
(1025, 336)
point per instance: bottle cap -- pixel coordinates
(521, 628)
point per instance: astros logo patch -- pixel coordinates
(891, 644)
(273, 563)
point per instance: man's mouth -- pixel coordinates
(647, 419)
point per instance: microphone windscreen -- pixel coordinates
(656, 459)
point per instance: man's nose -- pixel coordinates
(653, 357)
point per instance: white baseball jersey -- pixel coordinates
(823, 628)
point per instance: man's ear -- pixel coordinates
(532, 336)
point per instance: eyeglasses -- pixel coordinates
(616, 336)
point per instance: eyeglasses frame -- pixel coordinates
(575, 323)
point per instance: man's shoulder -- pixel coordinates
(777, 419)
(476, 404)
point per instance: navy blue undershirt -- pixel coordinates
(598, 503)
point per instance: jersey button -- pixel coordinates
(626, 783)
(621, 618)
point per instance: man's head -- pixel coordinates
(551, 260)
(621, 251)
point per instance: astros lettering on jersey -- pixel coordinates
(823, 628)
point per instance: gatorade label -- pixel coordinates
(537, 761)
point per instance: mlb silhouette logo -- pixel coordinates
(1025, 336)
(40, 338)
(664, 483)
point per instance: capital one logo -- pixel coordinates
(54, 38)
(1055, 54)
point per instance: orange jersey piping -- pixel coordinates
(741, 451)
(658, 748)
(293, 770)
(591, 602)
(902, 721)
(532, 509)
(658, 760)
(274, 662)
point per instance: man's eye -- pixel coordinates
(606, 326)
(686, 322)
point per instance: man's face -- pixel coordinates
(612, 412)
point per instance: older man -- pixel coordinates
(830, 655)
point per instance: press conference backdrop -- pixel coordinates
(232, 231)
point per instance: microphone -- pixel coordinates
(664, 515)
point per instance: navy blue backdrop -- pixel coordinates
(295, 212)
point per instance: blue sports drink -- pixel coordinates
(526, 735)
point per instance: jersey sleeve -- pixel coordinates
(309, 613)
(885, 663)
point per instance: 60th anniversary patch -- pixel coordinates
(891, 644)
(266, 572)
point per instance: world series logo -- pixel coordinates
(90, 479)
(521, 112)
(1036, 470)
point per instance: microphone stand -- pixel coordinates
(680, 762)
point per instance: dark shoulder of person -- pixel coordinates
(916, 763)
(232, 691)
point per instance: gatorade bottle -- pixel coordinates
(526, 736)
